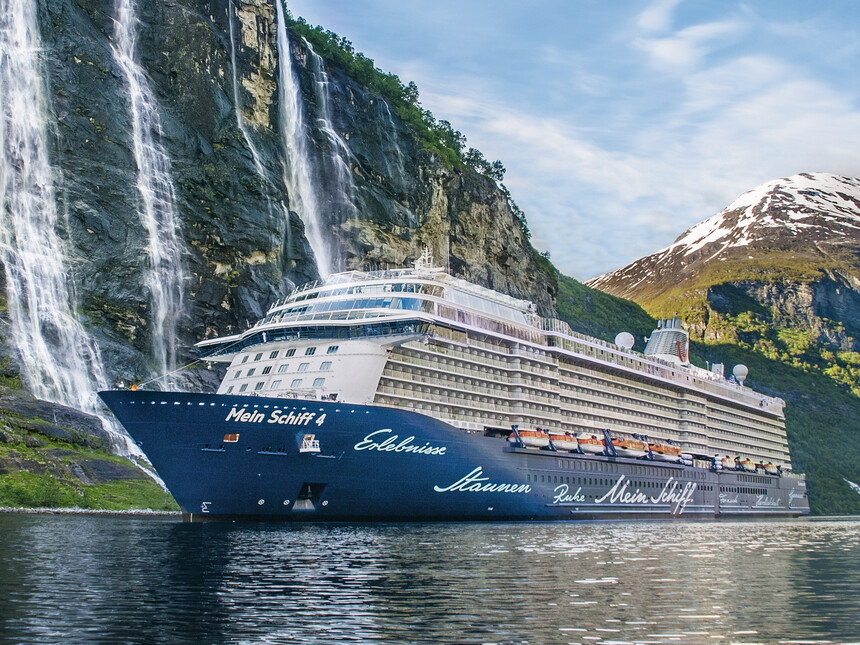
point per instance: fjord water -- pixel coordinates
(146, 580)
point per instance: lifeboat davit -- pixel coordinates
(531, 438)
(564, 441)
(665, 452)
(629, 447)
(590, 443)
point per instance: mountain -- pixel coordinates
(773, 281)
(779, 269)
(800, 227)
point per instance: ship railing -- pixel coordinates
(349, 277)
(343, 314)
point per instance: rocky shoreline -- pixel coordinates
(148, 512)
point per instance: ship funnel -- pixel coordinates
(625, 340)
(740, 373)
(669, 342)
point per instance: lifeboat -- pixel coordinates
(728, 463)
(531, 438)
(590, 443)
(747, 464)
(564, 441)
(665, 452)
(771, 469)
(629, 447)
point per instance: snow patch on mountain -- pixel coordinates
(819, 207)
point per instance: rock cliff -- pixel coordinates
(248, 164)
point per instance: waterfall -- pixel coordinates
(240, 120)
(157, 210)
(59, 361)
(297, 162)
(391, 141)
(342, 198)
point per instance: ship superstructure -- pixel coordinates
(419, 339)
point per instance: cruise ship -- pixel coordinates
(410, 394)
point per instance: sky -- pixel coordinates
(621, 124)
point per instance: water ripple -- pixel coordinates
(129, 580)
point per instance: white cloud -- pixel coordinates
(686, 49)
(658, 16)
(595, 209)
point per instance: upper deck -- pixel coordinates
(420, 300)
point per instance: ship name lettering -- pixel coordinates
(670, 494)
(793, 496)
(291, 419)
(562, 495)
(475, 482)
(391, 444)
(242, 415)
(766, 500)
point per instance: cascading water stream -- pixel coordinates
(297, 162)
(340, 154)
(59, 361)
(388, 135)
(157, 211)
(240, 120)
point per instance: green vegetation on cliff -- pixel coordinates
(598, 314)
(43, 465)
(820, 419)
(438, 136)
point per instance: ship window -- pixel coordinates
(258, 356)
(259, 386)
(245, 358)
(303, 367)
(250, 372)
(310, 351)
(283, 368)
(237, 374)
(231, 438)
(244, 387)
(274, 354)
(332, 349)
(276, 384)
(229, 389)
(318, 382)
(267, 369)
(290, 352)
(297, 382)
(325, 365)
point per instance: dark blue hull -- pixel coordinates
(248, 457)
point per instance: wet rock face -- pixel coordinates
(383, 198)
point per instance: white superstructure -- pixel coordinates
(422, 340)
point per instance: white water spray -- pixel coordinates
(157, 211)
(340, 155)
(59, 361)
(297, 161)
